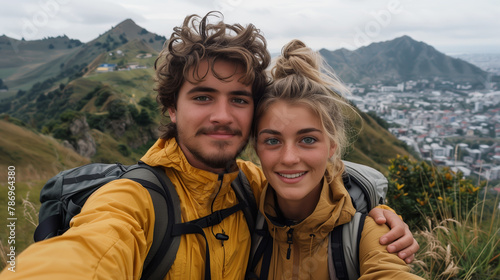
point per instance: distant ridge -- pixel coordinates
(399, 60)
(23, 63)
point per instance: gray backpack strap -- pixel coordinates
(166, 203)
(366, 185)
(343, 249)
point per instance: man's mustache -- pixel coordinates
(219, 129)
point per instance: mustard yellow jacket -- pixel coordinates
(309, 248)
(112, 235)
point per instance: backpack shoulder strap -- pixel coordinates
(343, 250)
(262, 248)
(166, 203)
(243, 191)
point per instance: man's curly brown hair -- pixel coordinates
(197, 40)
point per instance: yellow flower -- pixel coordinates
(405, 194)
(432, 184)
(472, 190)
(421, 202)
(448, 176)
(399, 186)
(440, 198)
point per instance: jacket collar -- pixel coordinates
(167, 153)
(334, 208)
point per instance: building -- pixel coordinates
(106, 68)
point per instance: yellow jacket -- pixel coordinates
(112, 235)
(308, 251)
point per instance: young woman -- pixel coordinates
(300, 135)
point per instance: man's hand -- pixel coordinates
(399, 238)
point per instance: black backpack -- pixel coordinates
(63, 196)
(367, 188)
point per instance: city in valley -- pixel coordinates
(450, 124)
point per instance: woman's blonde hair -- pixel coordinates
(301, 76)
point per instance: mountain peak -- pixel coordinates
(405, 37)
(127, 24)
(400, 59)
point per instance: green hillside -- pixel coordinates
(23, 63)
(374, 145)
(35, 156)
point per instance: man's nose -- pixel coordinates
(221, 113)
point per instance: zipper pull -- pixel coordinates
(289, 240)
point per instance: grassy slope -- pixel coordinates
(134, 84)
(374, 145)
(36, 158)
(31, 62)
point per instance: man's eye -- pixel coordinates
(201, 98)
(309, 140)
(271, 141)
(240, 101)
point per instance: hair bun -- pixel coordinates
(289, 48)
(298, 59)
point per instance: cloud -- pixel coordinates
(321, 24)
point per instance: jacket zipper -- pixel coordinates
(289, 240)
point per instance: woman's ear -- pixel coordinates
(333, 148)
(172, 114)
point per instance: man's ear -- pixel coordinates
(172, 114)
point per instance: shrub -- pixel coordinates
(61, 131)
(123, 150)
(133, 111)
(69, 115)
(103, 96)
(97, 121)
(117, 109)
(148, 103)
(458, 222)
(418, 190)
(144, 118)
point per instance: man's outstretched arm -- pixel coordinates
(399, 239)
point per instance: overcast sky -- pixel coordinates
(452, 27)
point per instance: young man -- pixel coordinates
(209, 78)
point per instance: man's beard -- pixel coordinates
(219, 160)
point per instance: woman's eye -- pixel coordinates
(309, 140)
(271, 141)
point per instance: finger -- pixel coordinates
(402, 244)
(408, 254)
(378, 215)
(410, 259)
(395, 232)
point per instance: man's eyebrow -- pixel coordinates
(209, 89)
(241, 92)
(201, 89)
